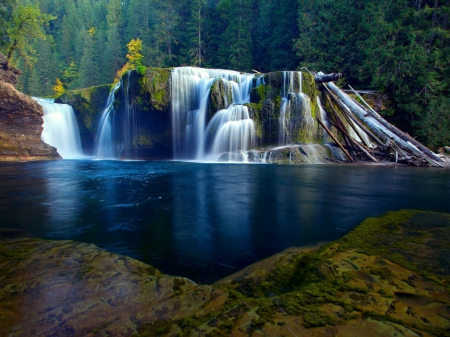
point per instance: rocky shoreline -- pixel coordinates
(390, 276)
(20, 122)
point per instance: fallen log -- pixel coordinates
(399, 132)
(379, 127)
(323, 78)
(335, 139)
(345, 109)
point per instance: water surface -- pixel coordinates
(205, 221)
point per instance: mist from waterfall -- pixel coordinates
(61, 129)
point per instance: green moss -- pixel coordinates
(157, 328)
(141, 70)
(88, 104)
(144, 141)
(155, 88)
(384, 273)
(396, 236)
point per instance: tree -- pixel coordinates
(70, 74)
(114, 53)
(134, 57)
(26, 26)
(236, 43)
(195, 30)
(6, 7)
(58, 88)
(89, 64)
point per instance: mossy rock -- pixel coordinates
(88, 103)
(155, 88)
(220, 96)
(388, 277)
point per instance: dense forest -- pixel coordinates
(399, 47)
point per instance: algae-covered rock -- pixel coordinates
(155, 88)
(64, 288)
(388, 277)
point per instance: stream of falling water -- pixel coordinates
(197, 136)
(61, 129)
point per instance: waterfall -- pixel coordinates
(197, 136)
(61, 129)
(294, 104)
(235, 133)
(127, 149)
(105, 145)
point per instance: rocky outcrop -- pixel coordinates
(8, 74)
(21, 127)
(387, 277)
(144, 100)
(88, 105)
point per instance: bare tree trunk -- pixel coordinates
(384, 130)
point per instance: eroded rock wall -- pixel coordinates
(21, 127)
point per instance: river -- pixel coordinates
(205, 221)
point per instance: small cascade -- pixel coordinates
(295, 110)
(61, 129)
(105, 148)
(194, 137)
(235, 133)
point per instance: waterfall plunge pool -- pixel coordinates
(205, 221)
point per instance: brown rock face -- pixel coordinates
(8, 74)
(21, 127)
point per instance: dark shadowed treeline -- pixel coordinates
(400, 47)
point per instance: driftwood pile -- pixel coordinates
(365, 134)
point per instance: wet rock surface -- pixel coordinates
(388, 277)
(21, 127)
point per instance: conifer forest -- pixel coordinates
(400, 48)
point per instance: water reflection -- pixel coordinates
(205, 221)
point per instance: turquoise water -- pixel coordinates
(205, 221)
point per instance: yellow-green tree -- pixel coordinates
(26, 25)
(58, 88)
(134, 57)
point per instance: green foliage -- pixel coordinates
(26, 26)
(400, 47)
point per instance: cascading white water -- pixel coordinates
(61, 129)
(130, 124)
(193, 138)
(235, 133)
(302, 104)
(105, 148)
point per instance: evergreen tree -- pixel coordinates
(236, 44)
(89, 66)
(195, 32)
(114, 50)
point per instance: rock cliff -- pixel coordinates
(21, 127)
(8, 74)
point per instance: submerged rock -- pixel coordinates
(21, 127)
(390, 276)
